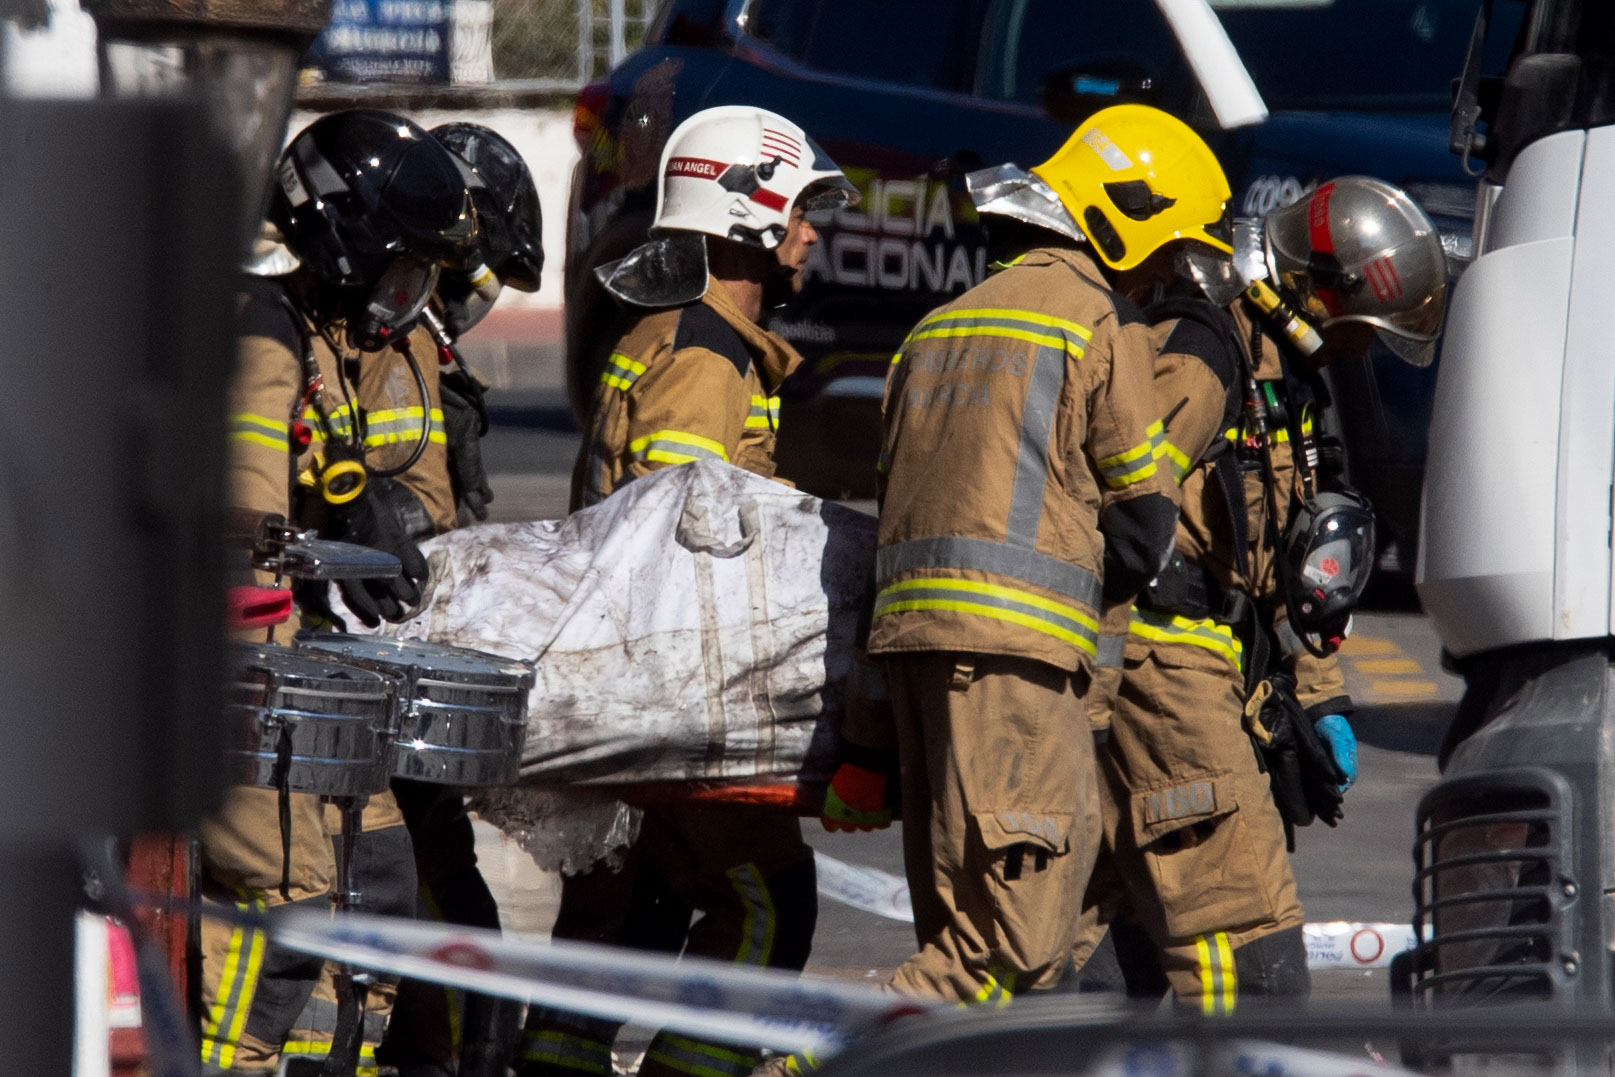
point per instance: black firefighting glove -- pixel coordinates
(386, 517)
(1307, 782)
(465, 421)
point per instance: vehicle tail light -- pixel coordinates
(590, 112)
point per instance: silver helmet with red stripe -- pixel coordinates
(1358, 249)
(736, 172)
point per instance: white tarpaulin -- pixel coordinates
(698, 624)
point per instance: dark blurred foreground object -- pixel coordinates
(116, 288)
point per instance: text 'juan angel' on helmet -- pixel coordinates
(373, 206)
(733, 172)
(1134, 179)
(1360, 250)
(509, 226)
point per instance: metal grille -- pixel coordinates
(1495, 875)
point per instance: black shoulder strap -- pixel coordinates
(266, 313)
(702, 327)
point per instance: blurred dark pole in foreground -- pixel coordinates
(124, 221)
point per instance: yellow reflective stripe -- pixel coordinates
(990, 600)
(699, 1059)
(1170, 628)
(675, 447)
(557, 1048)
(757, 930)
(1123, 474)
(1011, 314)
(1281, 436)
(1180, 460)
(1142, 449)
(800, 1063)
(318, 1049)
(1219, 987)
(621, 372)
(1230, 982)
(1208, 977)
(249, 988)
(260, 430)
(764, 413)
(211, 1047)
(995, 991)
(999, 331)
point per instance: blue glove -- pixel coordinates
(1335, 732)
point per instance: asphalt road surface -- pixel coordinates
(1359, 871)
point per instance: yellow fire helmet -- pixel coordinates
(1135, 179)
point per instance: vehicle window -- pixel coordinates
(890, 40)
(1382, 54)
(1024, 41)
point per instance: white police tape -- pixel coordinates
(726, 1002)
(734, 1003)
(1336, 944)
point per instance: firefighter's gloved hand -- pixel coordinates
(386, 517)
(1337, 736)
(856, 800)
(465, 420)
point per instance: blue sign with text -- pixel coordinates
(384, 41)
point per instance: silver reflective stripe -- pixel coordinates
(1032, 460)
(1111, 651)
(984, 555)
(757, 931)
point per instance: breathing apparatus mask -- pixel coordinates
(390, 309)
(1328, 557)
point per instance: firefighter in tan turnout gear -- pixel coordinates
(1244, 612)
(697, 378)
(1020, 486)
(367, 208)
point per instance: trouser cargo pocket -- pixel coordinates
(1206, 868)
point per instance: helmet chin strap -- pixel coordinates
(778, 287)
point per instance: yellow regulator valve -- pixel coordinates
(1300, 334)
(341, 481)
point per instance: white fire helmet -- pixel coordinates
(736, 172)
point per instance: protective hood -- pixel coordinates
(269, 256)
(668, 271)
(1012, 191)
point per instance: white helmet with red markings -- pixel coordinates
(736, 172)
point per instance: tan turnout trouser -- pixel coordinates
(1000, 820)
(1197, 844)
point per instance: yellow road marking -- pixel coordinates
(1362, 646)
(1388, 666)
(1406, 689)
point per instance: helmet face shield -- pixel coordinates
(1358, 249)
(392, 307)
(462, 302)
(509, 220)
(1213, 271)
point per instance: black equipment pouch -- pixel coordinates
(1302, 772)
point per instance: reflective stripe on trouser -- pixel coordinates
(680, 1054)
(746, 870)
(561, 1050)
(1195, 837)
(1219, 986)
(224, 1014)
(998, 797)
